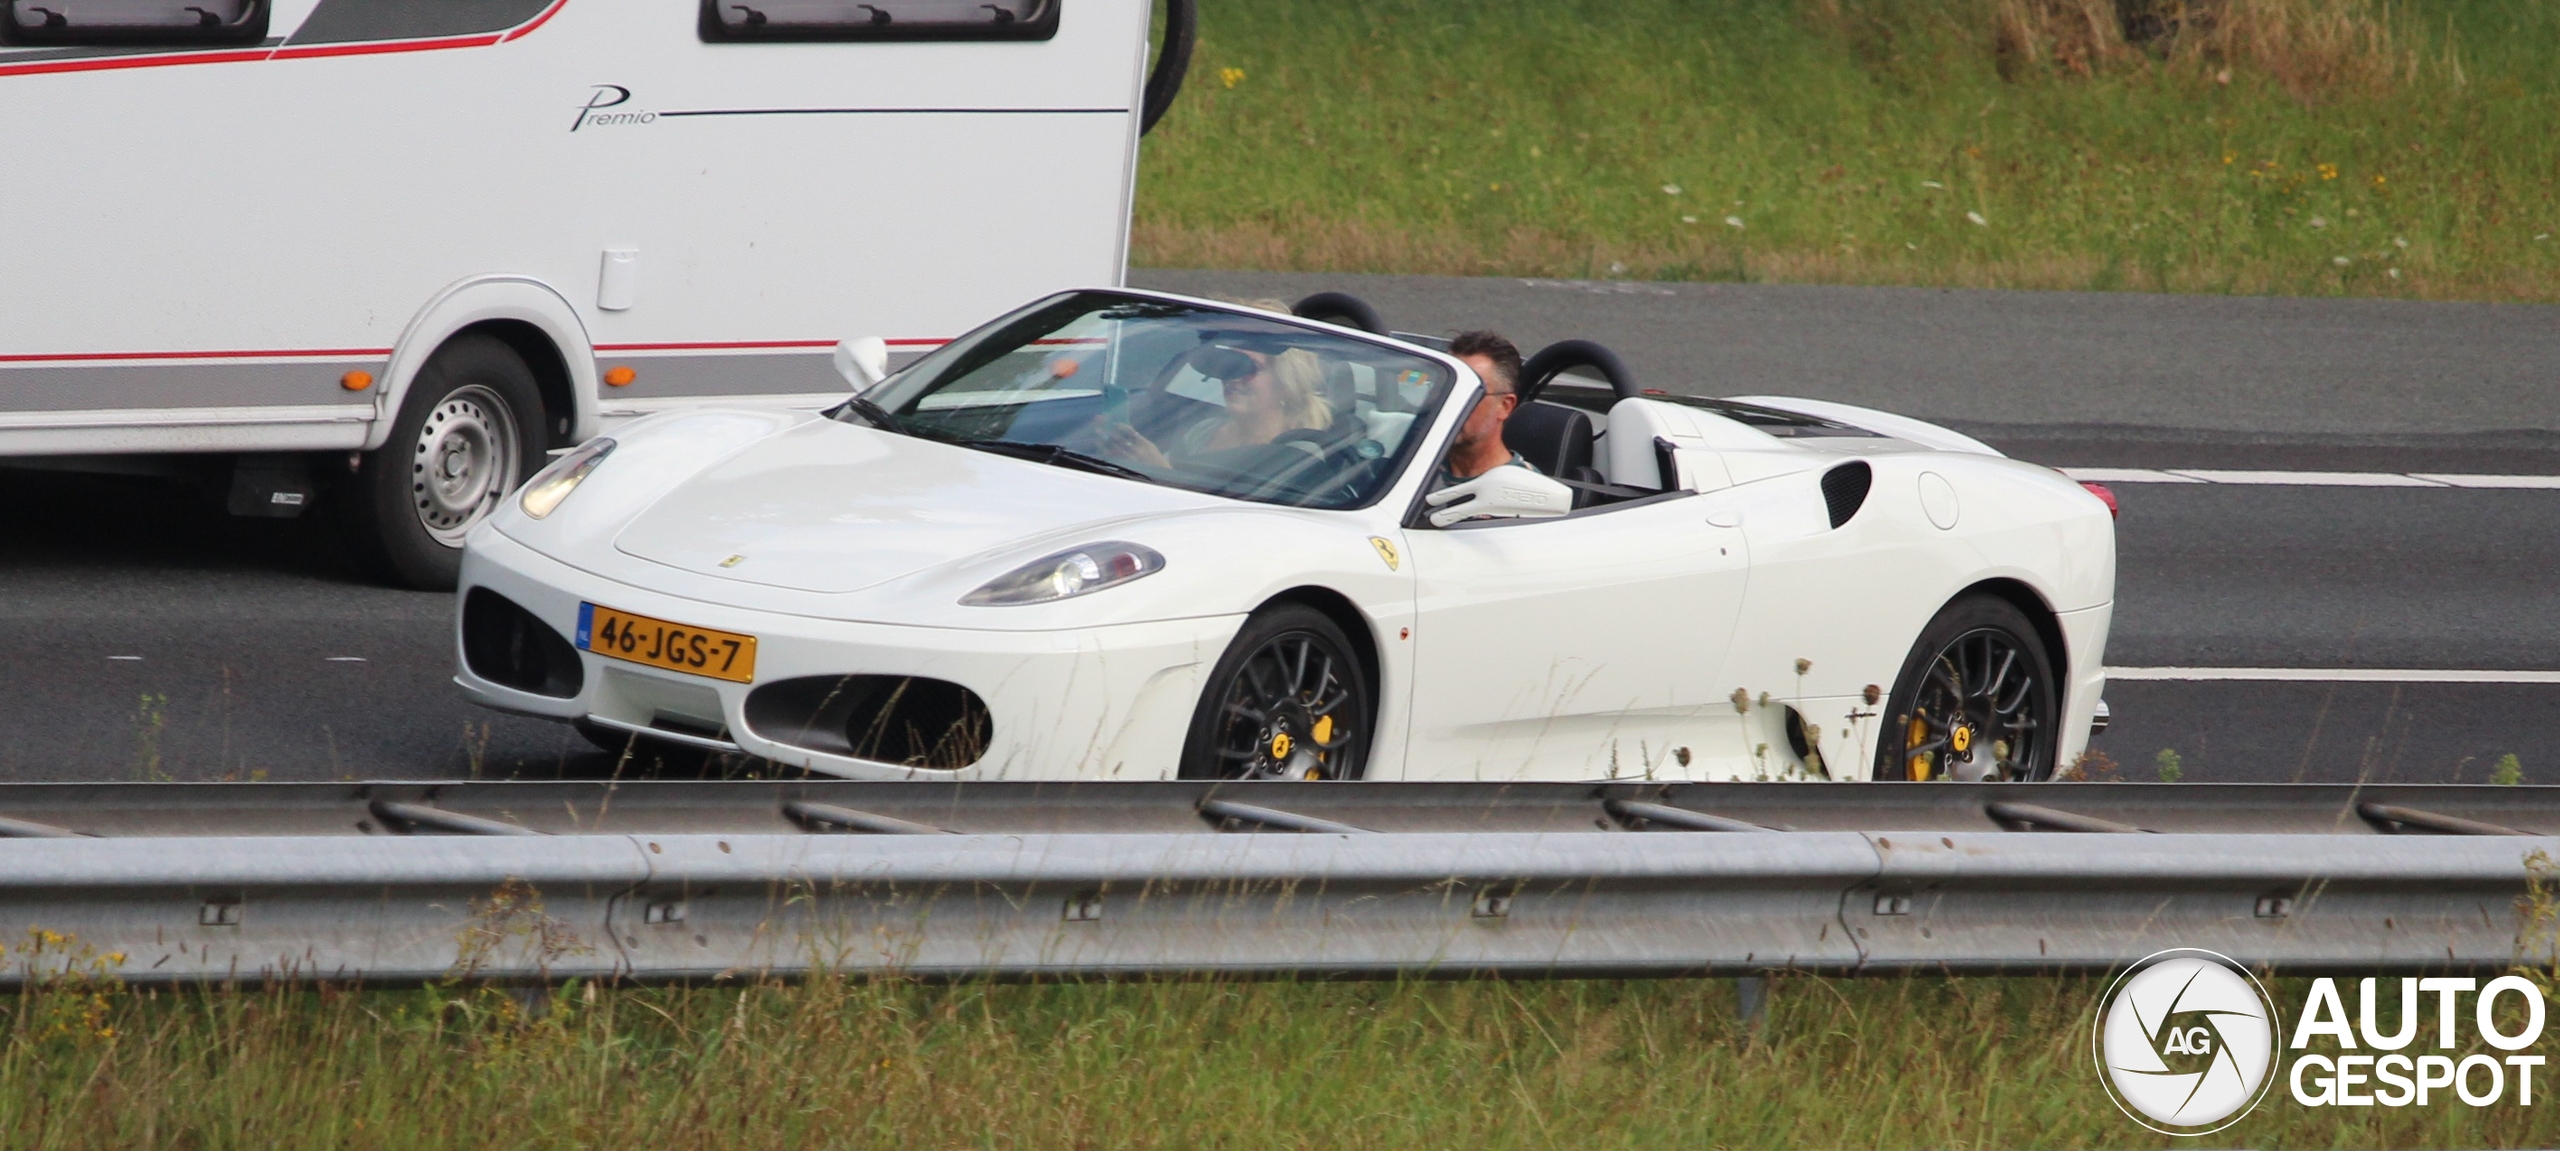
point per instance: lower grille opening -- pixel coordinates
(911, 721)
(506, 645)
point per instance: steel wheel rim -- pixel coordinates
(1289, 713)
(1980, 712)
(464, 462)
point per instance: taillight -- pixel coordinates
(2104, 496)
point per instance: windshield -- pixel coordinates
(1173, 393)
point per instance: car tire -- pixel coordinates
(1977, 699)
(1278, 701)
(469, 432)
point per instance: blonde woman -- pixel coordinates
(1283, 393)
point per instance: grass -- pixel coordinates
(1904, 1062)
(2287, 146)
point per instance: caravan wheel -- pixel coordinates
(467, 434)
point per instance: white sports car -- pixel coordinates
(1127, 535)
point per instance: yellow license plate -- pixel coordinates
(674, 646)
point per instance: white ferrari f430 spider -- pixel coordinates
(1126, 535)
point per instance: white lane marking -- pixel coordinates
(2333, 674)
(2457, 480)
(2481, 481)
(2128, 476)
(126, 658)
(2309, 479)
(344, 659)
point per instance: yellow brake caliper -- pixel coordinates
(1918, 766)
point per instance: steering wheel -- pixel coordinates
(1325, 440)
(1336, 447)
(1557, 358)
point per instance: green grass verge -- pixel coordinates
(1921, 1062)
(2349, 149)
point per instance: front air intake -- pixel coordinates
(910, 721)
(1844, 489)
(506, 645)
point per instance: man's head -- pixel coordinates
(1497, 363)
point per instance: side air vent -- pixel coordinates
(506, 645)
(905, 720)
(1844, 489)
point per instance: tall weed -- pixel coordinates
(1491, 1065)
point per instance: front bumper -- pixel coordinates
(1088, 703)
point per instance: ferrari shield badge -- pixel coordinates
(1386, 551)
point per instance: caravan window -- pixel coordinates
(133, 22)
(879, 19)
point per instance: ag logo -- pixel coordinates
(2186, 1041)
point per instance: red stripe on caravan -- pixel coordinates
(251, 55)
(109, 63)
(320, 50)
(736, 345)
(537, 21)
(745, 345)
(260, 354)
(376, 353)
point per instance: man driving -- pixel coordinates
(1478, 446)
(1471, 483)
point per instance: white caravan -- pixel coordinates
(383, 254)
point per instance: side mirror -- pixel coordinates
(863, 361)
(1504, 493)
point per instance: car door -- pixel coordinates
(1582, 647)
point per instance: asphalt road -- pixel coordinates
(151, 636)
(2218, 373)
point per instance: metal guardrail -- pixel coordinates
(802, 806)
(686, 881)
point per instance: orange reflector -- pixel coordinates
(620, 376)
(356, 381)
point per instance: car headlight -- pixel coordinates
(1090, 568)
(553, 484)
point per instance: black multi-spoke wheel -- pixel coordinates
(1975, 701)
(1289, 700)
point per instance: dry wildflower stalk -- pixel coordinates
(2315, 49)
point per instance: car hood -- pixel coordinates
(831, 507)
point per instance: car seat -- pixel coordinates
(1554, 438)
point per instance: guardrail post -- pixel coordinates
(1751, 1002)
